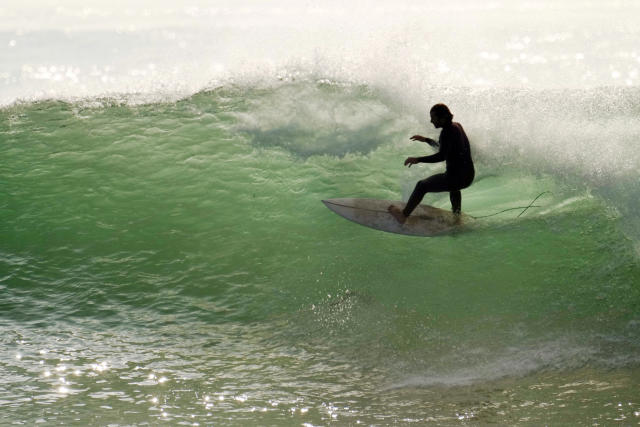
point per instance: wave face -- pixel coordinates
(164, 251)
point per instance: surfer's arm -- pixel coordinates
(433, 143)
(434, 158)
(440, 156)
(429, 141)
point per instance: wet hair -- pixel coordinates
(442, 110)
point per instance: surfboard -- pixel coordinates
(424, 221)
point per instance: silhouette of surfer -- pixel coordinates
(454, 150)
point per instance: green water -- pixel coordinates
(172, 263)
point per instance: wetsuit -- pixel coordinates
(455, 151)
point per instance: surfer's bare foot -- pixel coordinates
(397, 213)
(457, 218)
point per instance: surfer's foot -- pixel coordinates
(457, 217)
(397, 213)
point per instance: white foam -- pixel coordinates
(96, 48)
(557, 354)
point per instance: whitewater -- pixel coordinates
(165, 257)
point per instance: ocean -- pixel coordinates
(165, 257)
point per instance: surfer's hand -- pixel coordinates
(411, 161)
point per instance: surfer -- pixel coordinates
(454, 150)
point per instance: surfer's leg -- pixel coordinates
(433, 184)
(458, 182)
(456, 201)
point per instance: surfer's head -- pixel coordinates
(440, 115)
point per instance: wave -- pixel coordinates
(584, 138)
(161, 217)
(179, 209)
